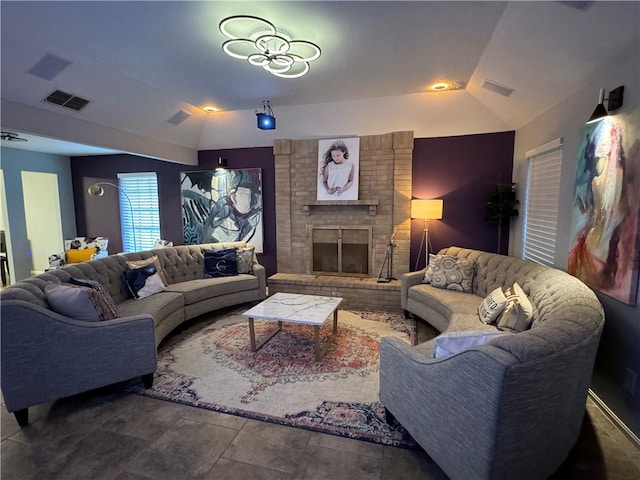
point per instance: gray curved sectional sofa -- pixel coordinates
(513, 407)
(46, 355)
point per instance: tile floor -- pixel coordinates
(113, 435)
(110, 434)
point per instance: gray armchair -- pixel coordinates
(65, 357)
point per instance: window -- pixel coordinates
(541, 203)
(139, 210)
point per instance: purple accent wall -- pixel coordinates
(257, 157)
(100, 216)
(461, 171)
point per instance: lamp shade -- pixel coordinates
(598, 114)
(427, 209)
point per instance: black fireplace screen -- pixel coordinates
(341, 250)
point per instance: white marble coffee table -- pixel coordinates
(295, 308)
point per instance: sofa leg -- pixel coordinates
(147, 380)
(407, 314)
(388, 416)
(22, 417)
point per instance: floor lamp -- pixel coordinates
(426, 210)
(96, 190)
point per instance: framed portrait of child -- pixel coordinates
(338, 168)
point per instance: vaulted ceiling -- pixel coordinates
(141, 63)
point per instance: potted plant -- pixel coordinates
(501, 205)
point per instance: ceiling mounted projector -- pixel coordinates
(266, 119)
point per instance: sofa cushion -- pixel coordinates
(445, 302)
(159, 306)
(202, 289)
(518, 311)
(492, 306)
(80, 303)
(452, 273)
(156, 262)
(220, 263)
(451, 343)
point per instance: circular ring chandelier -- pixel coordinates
(262, 44)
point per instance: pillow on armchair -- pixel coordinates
(77, 255)
(77, 244)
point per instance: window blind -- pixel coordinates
(542, 202)
(139, 210)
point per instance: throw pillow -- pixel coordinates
(453, 273)
(80, 303)
(244, 256)
(428, 274)
(492, 306)
(220, 263)
(78, 256)
(448, 344)
(518, 311)
(106, 299)
(156, 262)
(144, 281)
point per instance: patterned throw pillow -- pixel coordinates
(144, 281)
(429, 272)
(492, 306)
(220, 263)
(453, 273)
(80, 303)
(156, 262)
(109, 305)
(244, 256)
(518, 312)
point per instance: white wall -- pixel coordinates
(15, 161)
(426, 114)
(565, 121)
(618, 349)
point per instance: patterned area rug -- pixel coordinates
(210, 365)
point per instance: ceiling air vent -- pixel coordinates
(68, 100)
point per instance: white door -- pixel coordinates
(42, 217)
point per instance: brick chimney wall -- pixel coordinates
(384, 200)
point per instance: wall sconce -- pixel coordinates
(613, 103)
(222, 164)
(96, 190)
(426, 210)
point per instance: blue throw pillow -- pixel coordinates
(144, 281)
(220, 263)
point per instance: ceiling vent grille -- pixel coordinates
(497, 88)
(67, 100)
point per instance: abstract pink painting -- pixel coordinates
(605, 240)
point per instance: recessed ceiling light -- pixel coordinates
(444, 86)
(210, 109)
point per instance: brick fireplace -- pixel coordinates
(383, 205)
